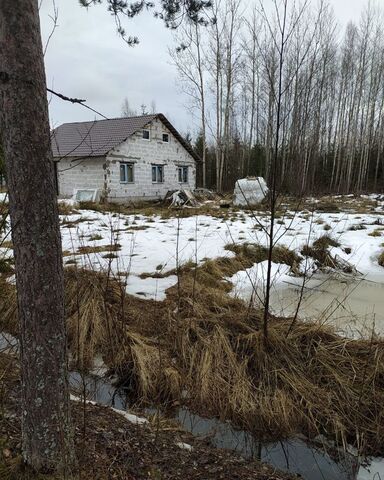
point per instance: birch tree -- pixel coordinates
(332, 108)
(189, 58)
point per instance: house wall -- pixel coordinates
(143, 154)
(81, 173)
(104, 173)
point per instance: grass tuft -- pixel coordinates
(319, 251)
(255, 253)
(376, 233)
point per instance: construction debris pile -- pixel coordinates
(187, 198)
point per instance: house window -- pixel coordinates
(146, 135)
(126, 173)
(183, 174)
(165, 137)
(157, 173)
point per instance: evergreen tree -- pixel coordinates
(47, 442)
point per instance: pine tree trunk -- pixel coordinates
(46, 437)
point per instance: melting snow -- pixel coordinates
(151, 245)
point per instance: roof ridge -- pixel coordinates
(154, 115)
(86, 138)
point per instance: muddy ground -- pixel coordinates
(110, 447)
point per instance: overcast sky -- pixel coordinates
(87, 59)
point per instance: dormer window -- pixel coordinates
(146, 135)
(165, 137)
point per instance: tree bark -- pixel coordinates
(46, 428)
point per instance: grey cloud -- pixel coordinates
(87, 59)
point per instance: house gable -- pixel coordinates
(144, 154)
(157, 128)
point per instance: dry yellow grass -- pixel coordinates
(66, 209)
(88, 249)
(376, 233)
(151, 209)
(210, 345)
(306, 382)
(98, 249)
(319, 251)
(8, 307)
(334, 204)
(6, 244)
(310, 380)
(96, 310)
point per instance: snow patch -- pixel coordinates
(250, 283)
(150, 287)
(184, 446)
(131, 417)
(136, 420)
(375, 470)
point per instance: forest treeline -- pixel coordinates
(330, 124)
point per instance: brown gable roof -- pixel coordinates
(97, 138)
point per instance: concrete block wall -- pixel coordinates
(143, 154)
(84, 173)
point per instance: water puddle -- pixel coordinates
(294, 456)
(8, 343)
(354, 306)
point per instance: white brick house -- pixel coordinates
(124, 158)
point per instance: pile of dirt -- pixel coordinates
(108, 446)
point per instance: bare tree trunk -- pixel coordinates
(202, 100)
(219, 101)
(274, 172)
(46, 433)
(189, 62)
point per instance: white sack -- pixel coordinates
(249, 191)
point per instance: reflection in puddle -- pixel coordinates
(294, 456)
(8, 343)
